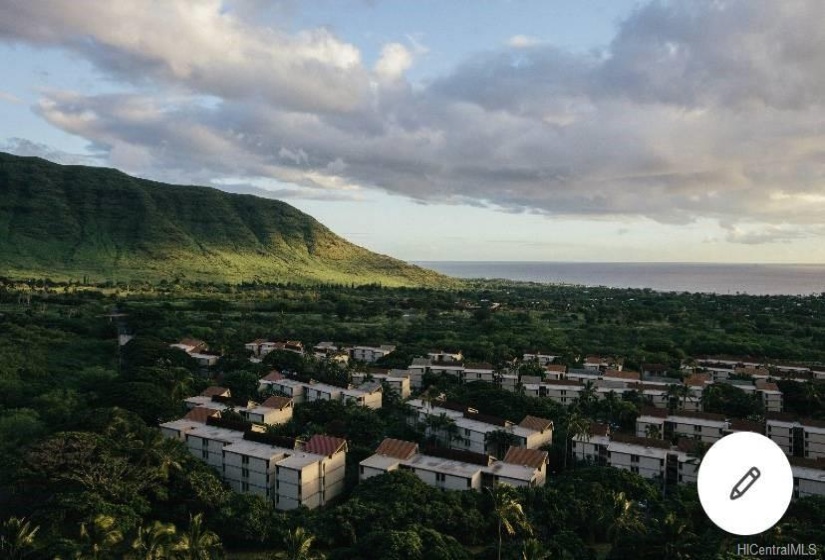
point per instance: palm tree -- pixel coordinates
(587, 396)
(100, 538)
(17, 538)
(154, 542)
(532, 549)
(653, 431)
(508, 513)
(677, 541)
(498, 441)
(577, 427)
(626, 517)
(198, 542)
(298, 545)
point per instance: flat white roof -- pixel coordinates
(381, 462)
(629, 448)
(255, 449)
(509, 470)
(446, 466)
(696, 421)
(299, 460)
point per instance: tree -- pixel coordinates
(653, 431)
(498, 441)
(507, 513)
(17, 538)
(578, 426)
(298, 545)
(532, 549)
(198, 542)
(154, 542)
(100, 538)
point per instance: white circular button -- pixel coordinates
(745, 483)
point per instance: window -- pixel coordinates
(440, 477)
(205, 454)
(697, 428)
(244, 459)
(245, 473)
(244, 486)
(634, 458)
(361, 469)
(205, 443)
(634, 470)
(469, 483)
(466, 432)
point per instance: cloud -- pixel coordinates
(703, 109)
(395, 59)
(9, 97)
(27, 148)
(203, 46)
(761, 236)
(522, 41)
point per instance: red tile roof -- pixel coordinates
(536, 423)
(556, 367)
(200, 414)
(651, 411)
(397, 448)
(534, 458)
(597, 429)
(766, 385)
(274, 375)
(277, 402)
(325, 445)
(216, 391)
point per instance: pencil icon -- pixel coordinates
(745, 483)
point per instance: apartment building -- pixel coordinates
(397, 380)
(808, 476)
(706, 427)
(274, 410)
(368, 394)
(289, 472)
(446, 357)
(457, 470)
(468, 430)
(592, 447)
(563, 392)
(542, 358)
(479, 371)
(804, 438)
(370, 354)
(770, 394)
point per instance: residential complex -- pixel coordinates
(289, 472)
(457, 470)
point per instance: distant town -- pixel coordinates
(468, 450)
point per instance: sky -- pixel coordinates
(540, 130)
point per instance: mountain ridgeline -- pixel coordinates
(76, 222)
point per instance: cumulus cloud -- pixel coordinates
(394, 61)
(201, 45)
(709, 108)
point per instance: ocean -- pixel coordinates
(754, 279)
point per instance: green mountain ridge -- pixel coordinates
(70, 222)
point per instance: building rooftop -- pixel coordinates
(325, 445)
(215, 391)
(536, 423)
(199, 414)
(257, 450)
(533, 458)
(276, 402)
(397, 448)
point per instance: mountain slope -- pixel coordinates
(67, 222)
